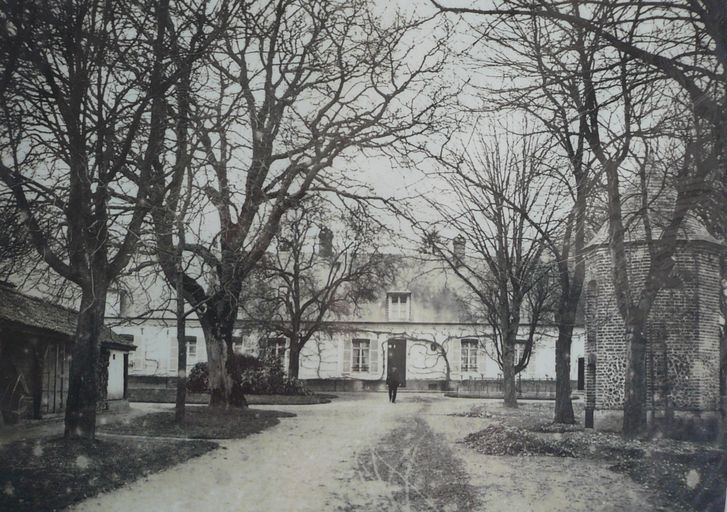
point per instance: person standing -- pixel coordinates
(393, 381)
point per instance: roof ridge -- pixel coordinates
(38, 299)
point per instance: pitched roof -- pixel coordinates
(37, 313)
(659, 213)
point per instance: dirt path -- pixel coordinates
(360, 453)
(302, 464)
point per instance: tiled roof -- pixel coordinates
(659, 213)
(691, 230)
(38, 313)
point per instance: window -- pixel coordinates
(399, 306)
(237, 344)
(469, 355)
(519, 350)
(191, 348)
(360, 355)
(276, 349)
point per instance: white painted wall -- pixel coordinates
(116, 375)
(322, 357)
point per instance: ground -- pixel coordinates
(361, 453)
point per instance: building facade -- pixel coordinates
(417, 324)
(36, 336)
(683, 334)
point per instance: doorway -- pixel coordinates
(396, 357)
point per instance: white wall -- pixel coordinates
(116, 375)
(322, 357)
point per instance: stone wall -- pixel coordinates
(682, 332)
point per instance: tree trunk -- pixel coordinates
(563, 404)
(179, 406)
(508, 377)
(80, 419)
(220, 383)
(237, 396)
(635, 387)
(294, 361)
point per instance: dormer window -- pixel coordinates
(398, 306)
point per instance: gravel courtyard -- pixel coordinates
(362, 453)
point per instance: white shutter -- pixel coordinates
(390, 315)
(137, 356)
(374, 356)
(286, 355)
(346, 356)
(173, 355)
(481, 357)
(455, 355)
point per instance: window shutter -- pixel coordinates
(389, 308)
(374, 356)
(455, 356)
(286, 355)
(346, 356)
(481, 357)
(173, 355)
(138, 357)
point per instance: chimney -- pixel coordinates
(284, 245)
(458, 249)
(325, 243)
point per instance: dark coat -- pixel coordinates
(393, 379)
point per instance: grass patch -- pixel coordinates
(690, 476)
(501, 439)
(318, 398)
(51, 474)
(200, 423)
(692, 482)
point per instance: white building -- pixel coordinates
(418, 325)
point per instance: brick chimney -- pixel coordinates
(458, 249)
(325, 243)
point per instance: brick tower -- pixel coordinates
(683, 348)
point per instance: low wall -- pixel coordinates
(153, 389)
(492, 388)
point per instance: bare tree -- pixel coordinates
(308, 287)
(294, 86)
(505, 261)
(86, 99)
(692, 63)
(548, 68)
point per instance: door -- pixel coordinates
(396, 357)
(126, 375)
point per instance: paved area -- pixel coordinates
(362, 453)
(52, 426)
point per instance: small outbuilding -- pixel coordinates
(36, 337)
(683, 331)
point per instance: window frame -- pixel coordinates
(191, 341)
(361, 350)
(276, 348)
(519, 350)
(398, 306)
(468, 357)
(237, 342)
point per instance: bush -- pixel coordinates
(270, 379)
(250, 375)
(198, 380)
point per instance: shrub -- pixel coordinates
(198, 380)
(250, 375)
